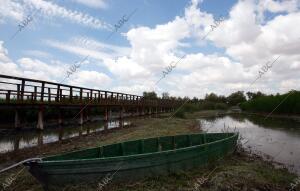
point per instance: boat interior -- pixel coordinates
(142, 146)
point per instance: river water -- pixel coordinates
(278, 138)
(19, 139)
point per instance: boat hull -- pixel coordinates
(132, 167)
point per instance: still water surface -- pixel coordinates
(15, 140)
(279, 138)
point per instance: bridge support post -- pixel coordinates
(60, 134)
(81, 118)
(80, 131)
(17, 143)
(143, 111)
(87, 116)
(121, 112)
(40, 139)
(40, 123)
(17, 119)
(110, 114)
(60, 120)
(121, 123)
(105, 126)
(106, 117)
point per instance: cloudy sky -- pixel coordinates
(213, 46)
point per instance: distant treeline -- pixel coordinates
(211, 102)
(288, 103)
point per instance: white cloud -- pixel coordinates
(91, 79)
(51, 71)
(247, 41)
(37, 53)
(11, 9)
(93, 3)
(18, 10)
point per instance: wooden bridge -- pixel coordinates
(17, 93)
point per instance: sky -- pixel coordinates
(183, 47)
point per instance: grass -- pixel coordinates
(236, 172)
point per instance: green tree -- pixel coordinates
(165, 95)
(236, 98)
(252, 95)
(150, 95)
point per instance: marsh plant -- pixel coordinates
(202, 180)
(294, 184)
(9, 180)
(107, 179)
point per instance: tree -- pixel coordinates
(195, 100)
(252, 96)
(150, 95)
(236, 98)
(165, 95)
(211, 97)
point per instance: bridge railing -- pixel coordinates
(18, 90)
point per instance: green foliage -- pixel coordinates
(180, 114)
(192, 107)
(288, 103)
(252, 95)
(221, 106)
(150, 95)
(236, 98)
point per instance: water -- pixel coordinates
(15, 140)
(278, 138)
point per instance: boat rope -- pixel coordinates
(20, 163)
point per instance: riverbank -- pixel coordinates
(237, 172)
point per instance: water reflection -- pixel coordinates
(279, 138)
(16, 140)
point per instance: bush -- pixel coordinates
(288, 103)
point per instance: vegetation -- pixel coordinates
(288, 103)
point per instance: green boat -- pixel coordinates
(133, 160)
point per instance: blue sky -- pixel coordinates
(158, 33)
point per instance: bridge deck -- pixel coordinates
(25, 91)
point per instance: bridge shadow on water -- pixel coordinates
(13, 140)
